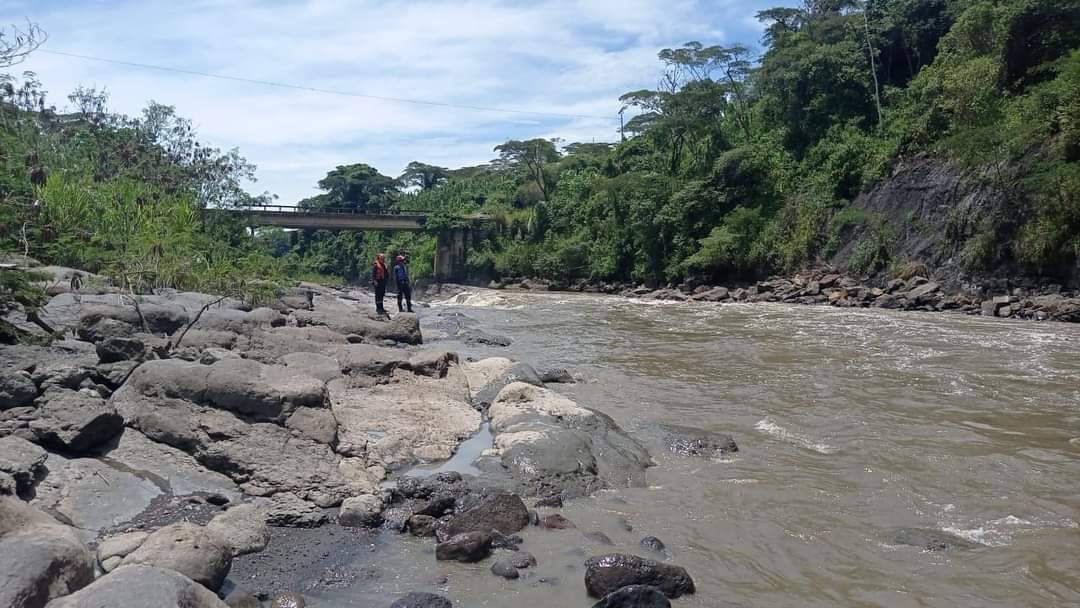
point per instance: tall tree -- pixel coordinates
(531, 156)
(359, 187)
(424, 176)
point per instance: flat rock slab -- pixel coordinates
(74, 421)
(142, 587)
(169, 468)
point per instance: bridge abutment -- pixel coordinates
(450, 256)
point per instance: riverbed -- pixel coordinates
(850, 424)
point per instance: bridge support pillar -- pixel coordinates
(450, 256)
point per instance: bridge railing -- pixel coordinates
(294, 210)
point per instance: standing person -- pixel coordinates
(404, 290)
(379, 275)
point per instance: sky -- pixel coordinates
(567, 57)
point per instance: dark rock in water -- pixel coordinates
(556, 522)
(554, 501)
(608, 573)
(74, 421)
(363, 511)
(467, 547)
(522, 559)
(557, 375)
(654, 544)
(503, 512)
(504, 541)
(438, 505)
(686, 441)
(635, 596)
(519, 372)
(16, 389)
(422, 525)
(23, 461)
(288, 600)
(931, 540)
(141, 587)
(599, 537)
(422, 600)
(111, 350)
(504, 569)
(626, 525)
(534, 518)
(40, 559)
(474, 338)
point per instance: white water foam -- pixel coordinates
(480, 299)
(778, 432)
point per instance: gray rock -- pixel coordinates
(176, 469)
(422, 525)
(315, 365)
(23, 461)
(635, 596)
(686, 441)
(316, 424)
(432, 363)
(141, 587)
(369, 360)
(243, 528)
(290, 511)
(654, 544)
(40, 558)
(503, 512)
(262, 392)
(96, 322)
(522, 560)
(557, 375)
(197, 553)
(556, 522)
(113, 349)
(519, 372)
(422, 600)
(16, 389)
(931, 540)
(467, 547)
(403, 328)
(361, 512)
(238, 598)
(288, 600)
(923, 293)
(115, 374)
(608, 573)
(239, 321)
(75, 422)
(505, 569)
(7, 485)
(112, 551)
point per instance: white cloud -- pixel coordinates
(556, 56)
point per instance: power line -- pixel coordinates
(282, 85)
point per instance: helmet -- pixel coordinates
(399, 258)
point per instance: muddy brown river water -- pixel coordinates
(850, 423)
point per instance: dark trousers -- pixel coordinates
(404, 291)
(380, 295)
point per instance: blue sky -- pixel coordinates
(559, 56)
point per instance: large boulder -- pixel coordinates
(116, 348)
(16, 389)
(74, 421)
(316, 424)
(553, 446)
(238, 321)
(142, 587)
(403, 328)
(434, 363)
(517, 373)
(112, 551)
(196, 552)
(313, 364)
(635, 596)
(40, 558)
(505, 513)
(96, 322)
(243, 528)
(361, 512)
(23, 461)
(608, 573)
(686, 441)
(369, 360)
(468, 547)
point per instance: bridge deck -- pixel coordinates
(328, 218)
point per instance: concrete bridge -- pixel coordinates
(449, 263)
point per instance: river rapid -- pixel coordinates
(850, 424)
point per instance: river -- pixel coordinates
(850, 423)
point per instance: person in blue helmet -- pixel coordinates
(404, 289)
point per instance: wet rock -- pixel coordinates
(931, 540)
(40, 558)
(181, 471)
(74, 421)
(141, 587)
(466, 547)
(635, 596)
(556, 522)
(511, 542)
(554, 501)
(504, 569)
(196, 552)
(480, 338)
(361, 512)
(288, 600)
(686, 441)
(112, 551)
(516, 373)
(23, 461)
(239, 598)
(600, 538)
(243, 528)
(505, 513)
(551, 445)
(422, 525)
(522, 560)
(316, 424)
(608, 573)
(654, 544)
(422, 600)
(432, 363)
(16, 389)
(114, 349)
(557, 375)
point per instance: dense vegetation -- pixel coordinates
(736, 166)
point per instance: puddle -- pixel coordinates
(464, 458)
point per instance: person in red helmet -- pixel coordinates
(401, 276)
(379, 276)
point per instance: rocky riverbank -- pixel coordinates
(167, 438)
(825, 287)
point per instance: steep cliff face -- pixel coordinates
(931, 212)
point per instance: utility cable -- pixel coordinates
(282, 85)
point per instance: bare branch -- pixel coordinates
(205, 307)
(16, 43)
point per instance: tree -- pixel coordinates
(424, 176)
(531, 156)
(17, 42)
(359, 187)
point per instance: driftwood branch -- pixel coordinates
(191, 324)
